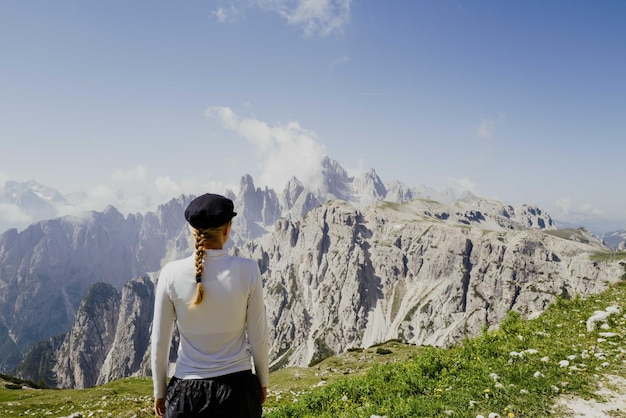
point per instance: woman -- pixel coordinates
(217, 301)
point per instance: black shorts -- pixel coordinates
(235, 395)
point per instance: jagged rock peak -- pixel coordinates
(16, 191)
(87, 343)
(127, 354)
(615, 239)
(110, 339)
(369, 187)
(525, 215)
(292, 191)
(337, 181)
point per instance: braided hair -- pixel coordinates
(203, 238)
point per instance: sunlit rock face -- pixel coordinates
(422, 271)
(47, 269)
(352, 264)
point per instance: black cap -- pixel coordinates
(209, 211)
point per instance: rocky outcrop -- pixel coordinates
(110, 339)
(85, 347)
(343, 278)
(32, 200)
(46, 269)
(126, 353)
(616, 239)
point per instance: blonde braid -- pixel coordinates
(200, 253)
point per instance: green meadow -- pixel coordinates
(517, 370)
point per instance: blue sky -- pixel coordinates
(519, 101)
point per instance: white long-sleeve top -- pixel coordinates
(218, 336)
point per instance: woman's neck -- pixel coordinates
(214, 247)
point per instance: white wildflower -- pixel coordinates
(608, 334)
(545, 359)
(494, 415)
(472, 404)
(555, 389)
(601, 340)
(605, 364)
(494, 376)
(571, 357)
(516, 354)
(563, 363)
(531, 351)
(605, 326)
(344, 398)
(524, 392)
(538, 374)
(520, 337)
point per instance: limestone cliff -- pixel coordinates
(422, 271)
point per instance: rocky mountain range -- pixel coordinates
(358, 263)
(616, 239)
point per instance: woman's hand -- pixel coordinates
(159, 406)
(263, 394)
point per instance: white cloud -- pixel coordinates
(486, 129)
(590, 210)
(314, 17)
(319, 16)
(577, 210)
(129, 190)
(226, 14)
(102, 193)
(564, 204)
(12, 214)
(461, 185)
(167, 187)
(137, 173)
(339, 62)
(284, 149)
(359, 169)
(581, 213)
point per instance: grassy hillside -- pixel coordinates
(518, 370)
(130, 397)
